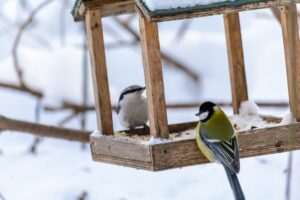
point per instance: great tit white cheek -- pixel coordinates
(203, 115)
(216, 107)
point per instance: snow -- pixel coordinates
(288, 119)
(248, 117)
(248, 108)
(154, 141)
(249, 122)
(173, 4)
(96, 133)
(62, 170)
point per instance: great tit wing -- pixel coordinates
(226, 152)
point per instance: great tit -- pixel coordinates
(217, 140)
(132, 107)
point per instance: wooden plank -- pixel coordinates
(236, 60)
(154, 79)
(122, 152)
(213, 11)
(99, 71)
(107, 7)
(120, 147)
(289, 24)
(122, 162)
(252, 143)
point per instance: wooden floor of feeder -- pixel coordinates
(181, 149)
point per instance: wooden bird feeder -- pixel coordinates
(111, 147)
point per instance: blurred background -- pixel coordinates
(45, 78)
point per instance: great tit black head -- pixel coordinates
(206, 110)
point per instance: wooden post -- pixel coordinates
(99, 71)
(236, 60)
(154, 79)
(289, 25)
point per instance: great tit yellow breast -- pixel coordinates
(218, 127)
(203, 148)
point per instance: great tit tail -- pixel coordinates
(235, 184)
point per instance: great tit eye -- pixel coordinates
(203, 115)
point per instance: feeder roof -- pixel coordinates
(157, 10)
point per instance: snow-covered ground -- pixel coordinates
(62, 170)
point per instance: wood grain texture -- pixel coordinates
(185, 152)
(252, 143)
(120, 151)
(154, 79)
(107, 7)
(289, 24)
(236, 60)
(99, 71)
(213, 11)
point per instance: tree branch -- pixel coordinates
(17, 40)
(165, 57)
(43, 130)
(22, 88)
(76, 108)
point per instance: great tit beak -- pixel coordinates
(197, 114)
(144, 88)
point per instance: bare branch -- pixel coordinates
(37, 140)
(1, 197)
(43, 130)
(83, 196)
(79, 108)
(23, 88)
(182, 30)
(165, 57)
(18, 37)
(68, 118)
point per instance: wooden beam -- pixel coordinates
(99, 71)
(107, 7)
(236, 60)
(289, 24)
(193, 13)
(154, 79)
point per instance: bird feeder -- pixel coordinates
(110, 147)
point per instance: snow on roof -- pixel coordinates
(174, 4)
